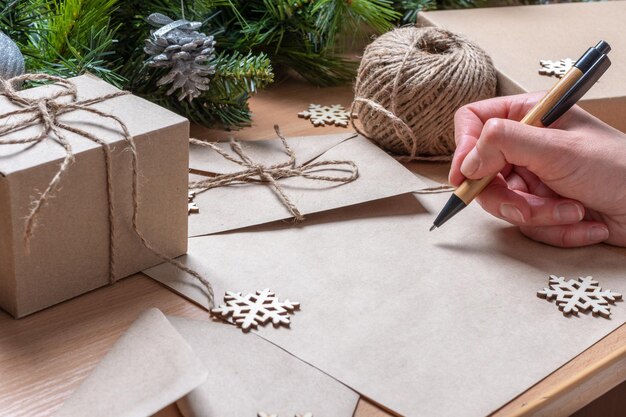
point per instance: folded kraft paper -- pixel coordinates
(149, 367)
(208, 369)
(255, 202)
(70, 221)
(446, 323)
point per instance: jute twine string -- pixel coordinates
(438, 189)
(409, 85)
(257, 172)
(45, 112)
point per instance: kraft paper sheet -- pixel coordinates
(251, 375)
(427, 324)
(208, 369)
(237, 206)
(150, 367)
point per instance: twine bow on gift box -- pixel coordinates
(45, 112)
(255, 172)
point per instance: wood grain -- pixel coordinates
(44, 357)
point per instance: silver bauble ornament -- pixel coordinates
(11, 59)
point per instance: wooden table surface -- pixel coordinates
(44, 357)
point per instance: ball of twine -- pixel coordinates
(410, 83)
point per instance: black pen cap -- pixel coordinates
(592, 56)
(592, 64)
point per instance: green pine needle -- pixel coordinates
(254, 39)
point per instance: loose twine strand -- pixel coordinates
(435, 190)
(45, 111)
(258, 172)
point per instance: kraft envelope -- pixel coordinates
(236, 206)
(150, 367)
(427, 324)
(250, 375)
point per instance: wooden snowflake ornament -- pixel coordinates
(253, 309)
(326, 115)
(556, 68)
(192, 208)
(582, 294)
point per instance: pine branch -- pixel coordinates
(17, 18)
(411, 8)
(66, 38)
(334, 16)
(317, 68)
(237, 78)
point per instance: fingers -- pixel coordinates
(505, 142)
(555, 221)
(470, 119)
(568, 236)
(463, 147)
(531, 183)
(506, 107)
(522, 209)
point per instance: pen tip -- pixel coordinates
(433, 227)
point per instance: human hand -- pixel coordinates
(564, 185)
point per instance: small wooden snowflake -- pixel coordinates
(556, 68)
(264, 414)
(326, 115)
(248, 311)
(192, 208)
(583, 294)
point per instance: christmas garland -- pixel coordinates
(201, 58)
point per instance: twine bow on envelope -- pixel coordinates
(270, 174)
(45, 112)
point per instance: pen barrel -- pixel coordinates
(469, 189)
(534, 116)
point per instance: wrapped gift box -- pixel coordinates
(68, 253)
(517, 38)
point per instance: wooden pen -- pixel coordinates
(565, 93)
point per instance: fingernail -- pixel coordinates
(512, 213)
(598, 234)
(470, 163)
(568, 213)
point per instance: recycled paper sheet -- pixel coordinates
(250, 375)
(149, 368)
(236, 206)
(427, 324)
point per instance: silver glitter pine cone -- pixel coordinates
(11, 59)
(177, 45)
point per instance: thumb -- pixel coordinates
(503, 142)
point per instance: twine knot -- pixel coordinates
(256, 172)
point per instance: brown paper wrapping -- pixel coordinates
(517, 38)
(69, 254)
